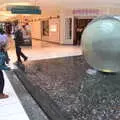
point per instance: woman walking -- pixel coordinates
(3, 66)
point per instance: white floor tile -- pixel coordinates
(11, 108)
(39, 51)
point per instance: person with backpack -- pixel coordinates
(18, 42)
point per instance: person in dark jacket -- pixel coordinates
(79, 34)
(18, 42)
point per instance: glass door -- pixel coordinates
(69, 28)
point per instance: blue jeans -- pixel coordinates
(1, 82)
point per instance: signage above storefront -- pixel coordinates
(86, 12)
(18, 9)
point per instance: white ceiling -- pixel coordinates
(70, 3)
(47, 4)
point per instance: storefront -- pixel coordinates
(61, 26)
(45, 29)
(50, 30)
(74, 21)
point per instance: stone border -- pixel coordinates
(42, 98)
(32, 109)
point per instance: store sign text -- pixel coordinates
(86, 11)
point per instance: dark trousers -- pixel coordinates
(19, 54)
(7, 57)
(78, 38)
(1, 81)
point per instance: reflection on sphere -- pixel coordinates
(101, 43)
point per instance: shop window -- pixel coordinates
(45, 25)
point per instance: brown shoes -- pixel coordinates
(3, 96)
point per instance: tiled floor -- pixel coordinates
(44, 50)
(11, 108)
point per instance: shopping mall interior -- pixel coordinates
(58, 21)
(56, 82)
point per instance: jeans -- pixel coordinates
(1, 81)
(19, 54)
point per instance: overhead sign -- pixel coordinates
(86, 12)
(18, 9)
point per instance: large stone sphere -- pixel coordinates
(101, 43)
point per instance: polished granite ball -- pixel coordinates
(101, 43)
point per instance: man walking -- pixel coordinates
(18, 42)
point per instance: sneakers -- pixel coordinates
(3, 96)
